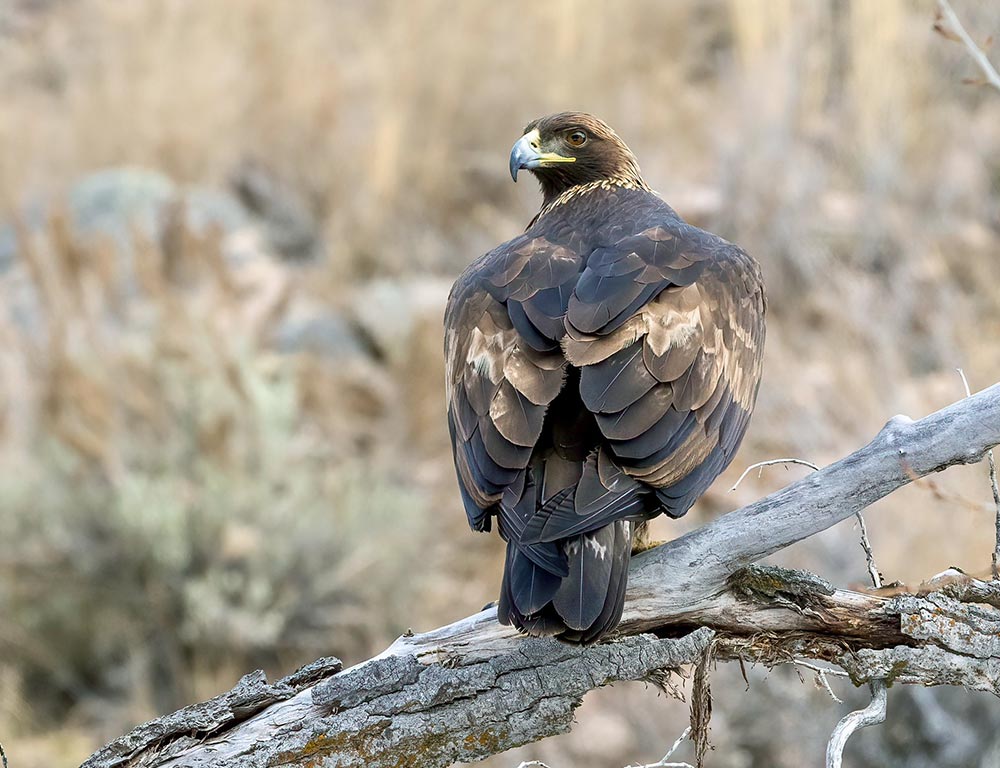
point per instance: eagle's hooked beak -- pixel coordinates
(527, 153)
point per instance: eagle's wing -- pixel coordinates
(667, 327)
(504, 367)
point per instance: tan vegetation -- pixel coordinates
(184, 498)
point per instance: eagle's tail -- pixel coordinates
(579, 607)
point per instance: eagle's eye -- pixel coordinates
(576, 138)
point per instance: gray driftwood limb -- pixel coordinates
(475, 688)
(873, 714)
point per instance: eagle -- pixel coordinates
(601, 370)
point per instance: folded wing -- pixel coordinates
(667, 328)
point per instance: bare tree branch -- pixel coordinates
(475, 688)
(994, 487)
(866, 545)
(663, 762)
(955, 31)
(873, 714)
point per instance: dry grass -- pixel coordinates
(185, 502)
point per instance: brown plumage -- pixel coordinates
(601, 369)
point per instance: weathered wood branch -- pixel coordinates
(474, 688)
(873, 714)
(952, 27)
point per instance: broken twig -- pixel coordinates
(770, 462)
(869, 555)
(821, 673)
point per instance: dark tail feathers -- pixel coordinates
(580, 607)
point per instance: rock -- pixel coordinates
(389, 311)
(324, 333)
(122, 207)
(289, 225)
(115, 202)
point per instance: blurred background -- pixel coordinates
(228, 231)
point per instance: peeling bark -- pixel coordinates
(474, 688)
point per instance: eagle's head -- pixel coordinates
(572, 148)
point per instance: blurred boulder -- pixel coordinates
(389, 312)
(288, 224)
(113, 201)
(384, 320)
(121, 232)
(320, 331)
(116, 203)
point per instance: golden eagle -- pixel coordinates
(601, 369)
